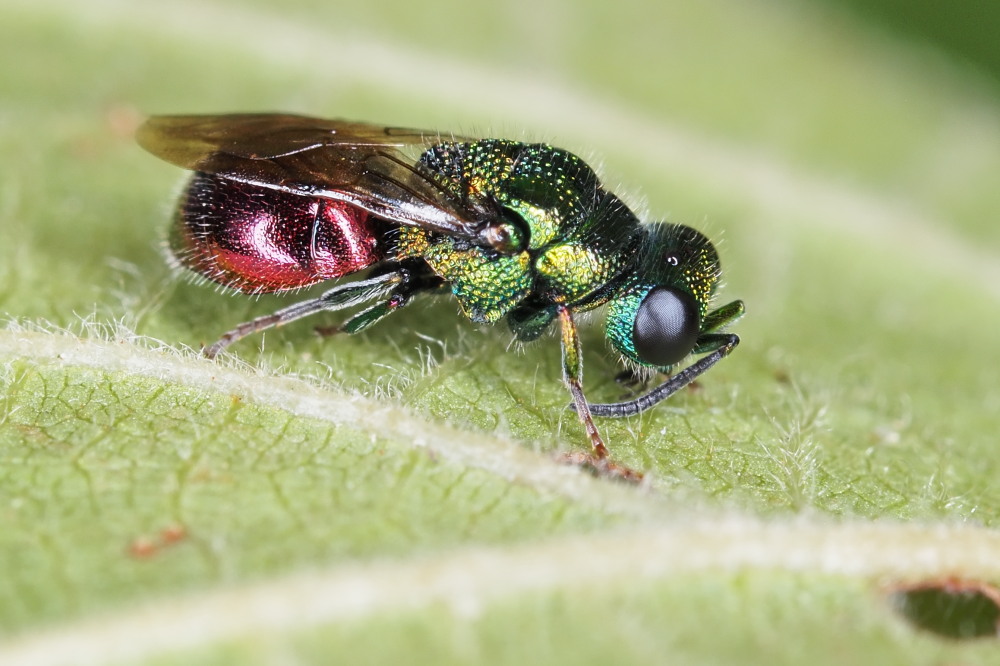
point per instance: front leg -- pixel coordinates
(572, 360)
(572, 366)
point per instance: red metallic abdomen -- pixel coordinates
(256, 239)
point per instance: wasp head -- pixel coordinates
(656, 317)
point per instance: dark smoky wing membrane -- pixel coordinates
(370, 166)
(186, 141)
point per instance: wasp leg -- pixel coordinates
(719, 344)
(572, 362)
(375, 313)
(340, 297)
(528, 321)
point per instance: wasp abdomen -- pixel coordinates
(258, 239)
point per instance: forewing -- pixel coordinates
(370, 166)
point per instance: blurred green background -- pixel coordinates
(964, 34)
(845, 157)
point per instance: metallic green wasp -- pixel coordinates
(515, 231)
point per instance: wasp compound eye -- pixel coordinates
(666, 326)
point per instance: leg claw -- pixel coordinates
(601, 467)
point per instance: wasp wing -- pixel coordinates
(369, 166)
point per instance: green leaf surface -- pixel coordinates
(393, 497)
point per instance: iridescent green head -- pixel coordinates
(655, 318)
